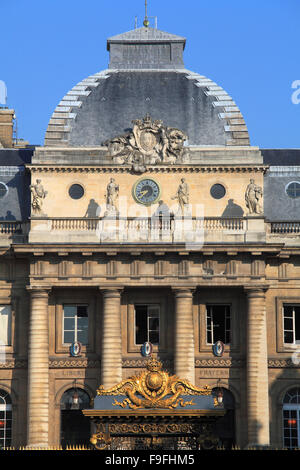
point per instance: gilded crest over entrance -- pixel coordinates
(154, 388)
(149, 143)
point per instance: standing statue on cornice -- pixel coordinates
(253, 198)
(38, 195)
(183, 196)
(112, 194)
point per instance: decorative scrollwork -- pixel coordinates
(148, 143)
(154, 388)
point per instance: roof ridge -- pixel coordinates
(143, 33)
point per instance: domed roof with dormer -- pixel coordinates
(146, 76)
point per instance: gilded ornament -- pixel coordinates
(154, 388)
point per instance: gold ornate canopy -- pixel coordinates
(154, 388)
(153, 403)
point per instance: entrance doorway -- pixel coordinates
(74, 426)
(225, 426)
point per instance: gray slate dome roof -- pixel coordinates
(146, 75)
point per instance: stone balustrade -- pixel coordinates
(152, 229)
(139, 230)
(285, 228)
(13, 232)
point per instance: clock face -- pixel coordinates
(146, 191)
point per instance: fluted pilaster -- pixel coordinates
(111, 357)
(257, 369)
(184, 360)
(38, 369)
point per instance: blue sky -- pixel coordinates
(249, 47)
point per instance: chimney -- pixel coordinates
(6, 127)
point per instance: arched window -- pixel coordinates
(291, 419)
(5, 419)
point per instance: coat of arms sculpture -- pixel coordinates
(149, 143)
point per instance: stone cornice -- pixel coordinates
(209, 250)
(184, 168)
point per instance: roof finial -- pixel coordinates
(146, 21)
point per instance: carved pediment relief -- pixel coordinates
(149, 143)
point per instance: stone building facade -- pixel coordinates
(147, 216)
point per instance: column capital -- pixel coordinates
(256, 290)
(111, 291)
(183, 291)
(39, 291)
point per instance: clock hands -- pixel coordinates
(146, 191)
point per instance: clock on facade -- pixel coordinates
(146, 191)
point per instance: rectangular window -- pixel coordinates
(291, 324)
(5, 325)
(75, 324)
(146, 324)
(218, 323)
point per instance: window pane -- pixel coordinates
(288, 337)
(209, 337)
(82, 311)
(5, 325)
(70, 310)
(219, 325)
(288, 324)
(154, 337)
(154, 324)
(69, 324)
(288, 311)
(3, 190)
(82, 336)
(293, 189)
(141, 335)
(297, 324)
(292, 396)
(82, 323)
(69, 337)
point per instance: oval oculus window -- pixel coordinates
(3, 190)
(217, 191)
(293, 189)
(76, 191)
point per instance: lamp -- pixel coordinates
(220, 394)
(75, 399)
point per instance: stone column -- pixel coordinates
(111, 356)
(38, 369)
(257, 369)
(184, 355)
